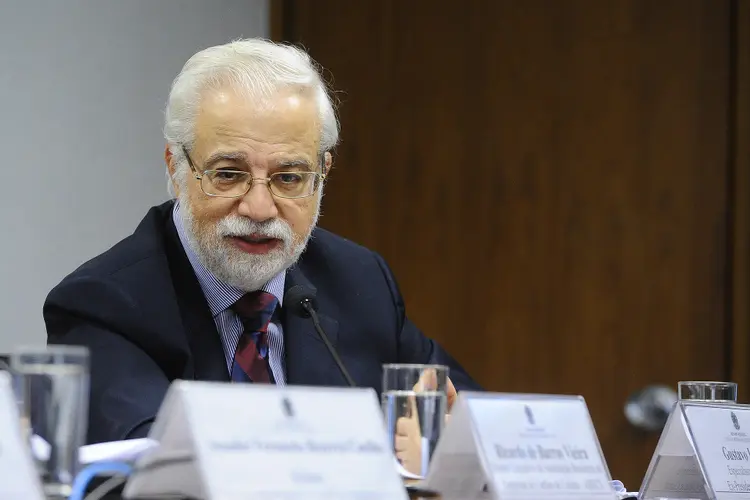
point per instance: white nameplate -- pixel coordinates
(238, 441)
(18, 475)
(518, 446)
(703, 454)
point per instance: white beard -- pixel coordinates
(247, 272)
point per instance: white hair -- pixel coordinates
(256, 66)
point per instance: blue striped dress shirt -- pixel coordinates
(221, 297)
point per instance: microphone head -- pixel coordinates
(296, 295)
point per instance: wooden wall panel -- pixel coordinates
(739, 130)
(549, 182)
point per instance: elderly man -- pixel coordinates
(199, 290)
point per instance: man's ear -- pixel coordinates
(171, 168)
(327, 163)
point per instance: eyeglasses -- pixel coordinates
(230, 183)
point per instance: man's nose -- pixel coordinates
(258, 203)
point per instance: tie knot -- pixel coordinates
(256, 306)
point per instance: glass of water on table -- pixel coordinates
(707, 392)
(414, 403)
(53, 385)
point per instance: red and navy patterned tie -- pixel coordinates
(251, 357)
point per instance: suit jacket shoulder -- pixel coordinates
(129, 289)
(336, 261)
(357, 278)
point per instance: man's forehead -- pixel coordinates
(228, 103)
(285, 118)
(228, 120)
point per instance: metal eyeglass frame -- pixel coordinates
(319, 179)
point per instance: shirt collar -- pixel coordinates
(219, 295)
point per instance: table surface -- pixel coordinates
(117, 495)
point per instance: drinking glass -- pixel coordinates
(414, 402)
(17, 396)
(54, 389)
(716, 392)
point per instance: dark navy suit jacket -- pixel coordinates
(139, 308)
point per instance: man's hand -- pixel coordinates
(429, 382)
(408, 439)
(452, 394)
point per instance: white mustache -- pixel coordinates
(234, 225)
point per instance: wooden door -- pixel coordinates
(549, 181)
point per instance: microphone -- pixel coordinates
(301, 299)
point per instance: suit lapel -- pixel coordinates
(307, 359)
(208, 362)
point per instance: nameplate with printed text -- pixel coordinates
(267, 442)
(703, 454)
(520, 446)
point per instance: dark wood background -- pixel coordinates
(560, 186)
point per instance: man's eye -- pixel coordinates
(227, 176)
(288, 178)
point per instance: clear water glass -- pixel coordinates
(17, 396)
(414, 402)
(715, 392)
(53, 382)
